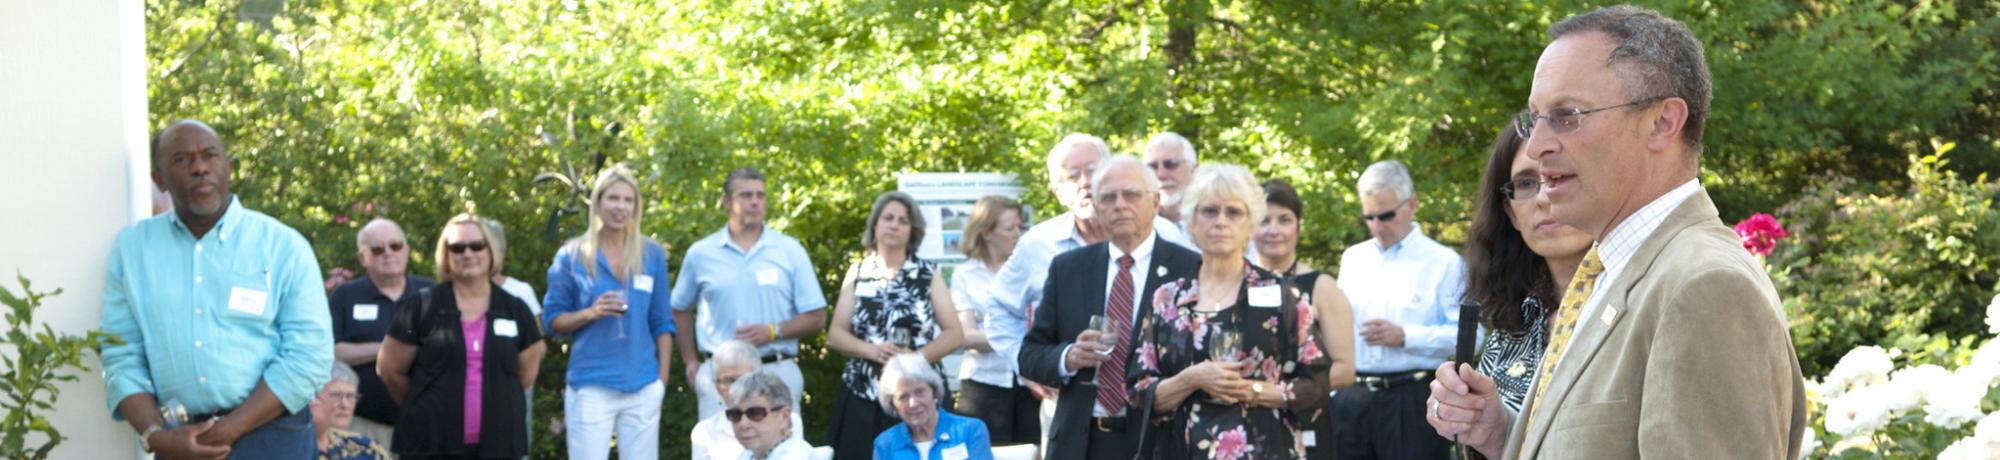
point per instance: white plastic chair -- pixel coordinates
(1014, 452)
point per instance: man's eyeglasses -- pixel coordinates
(396, 246)
(1169, 164)
(1566, 120)
(460, 248)
(756, 414)
(1522, 189)
(1383, 216)
(1130, 195)
(340, 396)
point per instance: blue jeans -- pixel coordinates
(286, 437)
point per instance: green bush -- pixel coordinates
(1909, 267)
(40, 360)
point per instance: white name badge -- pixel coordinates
(866, 289)
(366, 312)
(246, 300)
(954, 453)
(1266, 296)
(643, 283)
(767, 277)
(505, 328)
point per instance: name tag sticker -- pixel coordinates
(1266, 296)
(1610, 315)
(767, 277)
(505, 328)
(1311, 438)
(246, 300)
(954, 453)
(866, 289)
(643, 283)
(366, 312)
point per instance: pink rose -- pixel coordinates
(1231, 445)
(1760, 233)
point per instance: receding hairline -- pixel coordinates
(173, 129)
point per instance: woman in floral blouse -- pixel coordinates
(1204, 399)
(891, 303)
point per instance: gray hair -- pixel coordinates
(1224, 181)
(1390, 176)
(1074, 139)
(760, 383)
(743, 173)
(1097, 178)
(734, 353)
(907, 366)
(909, 206)
(343, 374)
(1173, 140)
(1661, 58)
(361, 236)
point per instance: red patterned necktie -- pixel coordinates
(1117, 310)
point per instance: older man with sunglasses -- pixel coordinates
(1404, 289)
(362, 310)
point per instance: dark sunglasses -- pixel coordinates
(1384, 216)
(378, 250)
(460, 248)
(756, 414)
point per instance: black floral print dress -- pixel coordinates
(1276, 340)
(899, 303)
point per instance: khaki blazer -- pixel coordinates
(1686, 356)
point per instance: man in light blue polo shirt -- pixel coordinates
(223, 313)
(752, 284)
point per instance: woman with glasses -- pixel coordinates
(460, 356)
(987, 385)
(891, 303)
(1227, 361)
(911, 389)
(760, 413)
(1517, 258)
(1277, 250)
(332, 410)
(608, 290)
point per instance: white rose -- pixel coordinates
(1856, 414)
(1908, 388)
(1956, 402)
(1971, 448)
(1988, 428)
(1862, 366)
(1993, 315)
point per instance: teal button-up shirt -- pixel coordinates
(205, 319)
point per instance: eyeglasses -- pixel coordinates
(1522, 189)
(341, 396)
(379, 249)
(1163, 164)
(1566, 120)
(756, 414)
(1219, 212)
(460, 248)
(1383, 216)
(1130, 195)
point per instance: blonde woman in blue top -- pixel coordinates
(911, 390)
(608, 290)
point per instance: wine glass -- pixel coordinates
(1225, 345)
(901, 338)
(173, 414)
(620, 296)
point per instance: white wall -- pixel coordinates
(72, 173)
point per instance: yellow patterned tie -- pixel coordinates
(1572, 307)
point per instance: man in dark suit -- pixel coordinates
(1112, 279)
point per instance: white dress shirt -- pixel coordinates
(1416, 284)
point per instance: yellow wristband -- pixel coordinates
(774, 331)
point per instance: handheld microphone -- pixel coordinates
(1468, 338)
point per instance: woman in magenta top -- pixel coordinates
(461, 388)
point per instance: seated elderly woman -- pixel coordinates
(1228, 359)
(714, 438)
(910, 389)
(760, 412)
(332, 410)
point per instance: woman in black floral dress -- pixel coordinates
(891, 303)
(1206, 400)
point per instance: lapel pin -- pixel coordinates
(1161, 271)
(1516, 369)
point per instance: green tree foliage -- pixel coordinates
(339, 110)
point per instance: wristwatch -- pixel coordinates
(145, 436)
(1256, 390)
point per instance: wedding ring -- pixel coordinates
(1434, 410)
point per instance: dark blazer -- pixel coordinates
(1072, 294)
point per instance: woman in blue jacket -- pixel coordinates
(910, 389)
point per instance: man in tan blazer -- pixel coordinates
(1671, 343)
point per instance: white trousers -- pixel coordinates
(711, 401)
(591, 414)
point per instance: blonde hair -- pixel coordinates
(635, 244)
(444, 265)
(1224, 181)
(985, 217)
